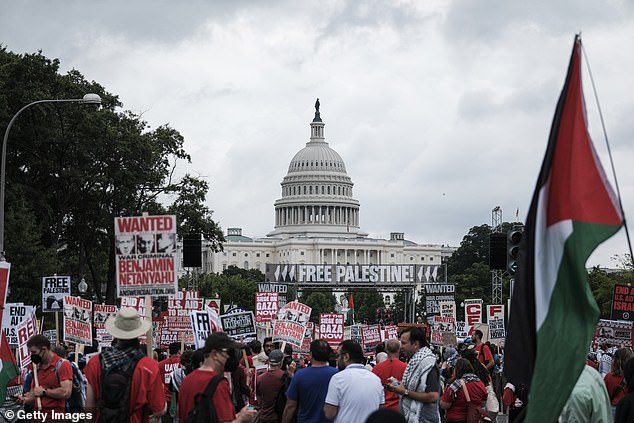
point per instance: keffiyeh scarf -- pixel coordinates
(415, 379)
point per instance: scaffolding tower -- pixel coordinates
(496, 275)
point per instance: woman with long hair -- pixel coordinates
(614, 381)
(454, 400)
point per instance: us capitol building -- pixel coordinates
(317, 222)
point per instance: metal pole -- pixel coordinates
(88, 98)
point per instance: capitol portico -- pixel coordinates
(317, 221)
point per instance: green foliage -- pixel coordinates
(366, 302)
(319, 301)
(231, 289)
(251, 274)
(602, 286)
(71, 169)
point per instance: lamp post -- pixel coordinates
(82, 287)
(87, 99)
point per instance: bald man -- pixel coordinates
(391, 367)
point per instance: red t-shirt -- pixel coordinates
(484, 353)
(390, 368)
(458, 410)
(611, 383)
(48, 380)
(195, 383)
(166, 368)
(146, 389)
(268, 386)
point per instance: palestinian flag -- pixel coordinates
(573, 210)
(350, 315)
(9, 369)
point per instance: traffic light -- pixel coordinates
(513, 240)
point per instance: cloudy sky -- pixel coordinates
(440, 109)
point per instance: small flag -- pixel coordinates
(573, 210)
(350, 316)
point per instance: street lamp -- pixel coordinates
(82, 286)
(87, 99)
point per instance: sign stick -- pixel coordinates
(148, 316)
(57, 328)
(37, 383)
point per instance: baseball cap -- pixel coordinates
(276, 357)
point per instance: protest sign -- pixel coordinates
(613, 332)
(77, 320)
(390, 332)
(239, 326)
(473, 311)
(12, 315)
(26, 329)
(54, 289)
(497, 332)
(463, 331)
(371, 335)
(103, 312)
(435, 293)
(137, 303)
(266, 306)
(495, 311)
(623, 303)
(355, 334)
(51, 335)
(280, 288)
(447, 308)
(439, 326)
(145, 256)
(291, 323)
(104, 339)
(213, 303)
(331, 328)
(309, 335)
(179, 308)
(5, 268)
(201, 325)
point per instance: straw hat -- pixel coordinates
(127, 324)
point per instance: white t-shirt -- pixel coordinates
(357, 392)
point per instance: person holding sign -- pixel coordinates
(50, 388)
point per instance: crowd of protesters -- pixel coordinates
(404, 380)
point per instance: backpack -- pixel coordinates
(280, 400)
(203, 411)
(475, 413)
(116, 384)
(77, 399)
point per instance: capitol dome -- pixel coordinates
(317, 192)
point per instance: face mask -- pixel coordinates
(232, 363)
(36, 359)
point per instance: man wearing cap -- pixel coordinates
(166, 369)
(221, 355)
(268, 387)
(147, 397)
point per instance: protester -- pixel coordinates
(391, 368)
(307, 392)
(386, 415)
(625, 407)
(240, 391)
(454, 399)
(268, 388)
(166, 369)
(484, 352)
(604, 358)
(515, 399)
(177, 379)
(589, 401)
(259, 358)
(614, 381)
(420, 389)
(144, 395)
(353, 393)
(54, 387)
(382, 356)
(492, 404)
(221, 355)
(267, 345)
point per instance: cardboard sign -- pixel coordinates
(291, 323)
(12, 316)
(137, 303)
(146, 255)
(266, 306)
(390, 332)
(495, 311)
(331, 328)
(371, 335)
(473, 311)
(103, 312)
(26, 329)
(439, 327)
(447, 309)
(623, 303)
(239, 326)
(77, 320)
(497, 332)
(54, 289)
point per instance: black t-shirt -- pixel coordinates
(432, 384)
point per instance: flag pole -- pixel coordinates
(607, 143)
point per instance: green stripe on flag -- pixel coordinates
(564, 338)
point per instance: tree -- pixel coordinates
(319, 301)
(71, 170)
(252, 274)
(366, 303)
(232, 290)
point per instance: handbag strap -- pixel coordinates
(466, 391)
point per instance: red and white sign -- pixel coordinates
(146, 255)
(390, 332)
(495, 311)
(103, 312)
(265, 306)
(213, 303)
(5, 267)
(26, 329)
(179, 308)
(291, 323)
(473, 311)
(331, 328)
(77, 320)
(371, 338)
(137, 303)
